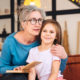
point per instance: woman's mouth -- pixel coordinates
(36, 29)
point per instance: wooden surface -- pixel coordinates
(0, 46)
(78, 38)
(72, 71)
(65, 39)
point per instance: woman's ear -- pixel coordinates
(23, 25)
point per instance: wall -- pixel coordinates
(72, 20)
(72, 23)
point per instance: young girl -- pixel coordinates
(49, 68)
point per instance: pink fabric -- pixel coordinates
(46, 77)
(60, 78)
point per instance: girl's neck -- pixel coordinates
(44, 47)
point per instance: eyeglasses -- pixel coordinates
(33, 21)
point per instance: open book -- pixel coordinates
(25, 69)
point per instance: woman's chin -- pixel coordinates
(36, 34)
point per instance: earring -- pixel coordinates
(21, 28)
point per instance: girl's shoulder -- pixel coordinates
(33, 49)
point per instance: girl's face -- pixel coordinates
(48, 34)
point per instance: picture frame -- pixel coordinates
(5, 7)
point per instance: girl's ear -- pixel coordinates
(55, 37)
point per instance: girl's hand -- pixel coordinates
(59, 51)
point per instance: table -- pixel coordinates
(72, 71)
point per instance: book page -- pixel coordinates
(25, 69)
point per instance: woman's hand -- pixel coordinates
(59, 51)
(19, 68)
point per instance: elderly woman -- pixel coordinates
(17, 45)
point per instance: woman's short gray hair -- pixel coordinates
(25, 11)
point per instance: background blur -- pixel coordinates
(66, 12)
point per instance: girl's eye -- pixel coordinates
(51, 31)
(44, 31)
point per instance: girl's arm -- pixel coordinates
(55, 70)
(60, 52)
(32, 74)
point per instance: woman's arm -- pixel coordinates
(63, 64)
(55, 70)
(32, 74)
(5, 58)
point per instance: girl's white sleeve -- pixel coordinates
(56, 58)
(30, 57)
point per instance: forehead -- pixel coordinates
(50, 26)
(35, 14)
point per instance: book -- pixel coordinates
(25, 69)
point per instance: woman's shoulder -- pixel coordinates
(10, 38)
(11, 35)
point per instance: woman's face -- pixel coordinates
(48, 34)
(33, 25)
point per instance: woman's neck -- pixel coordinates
(24, 38)
(29, 38)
